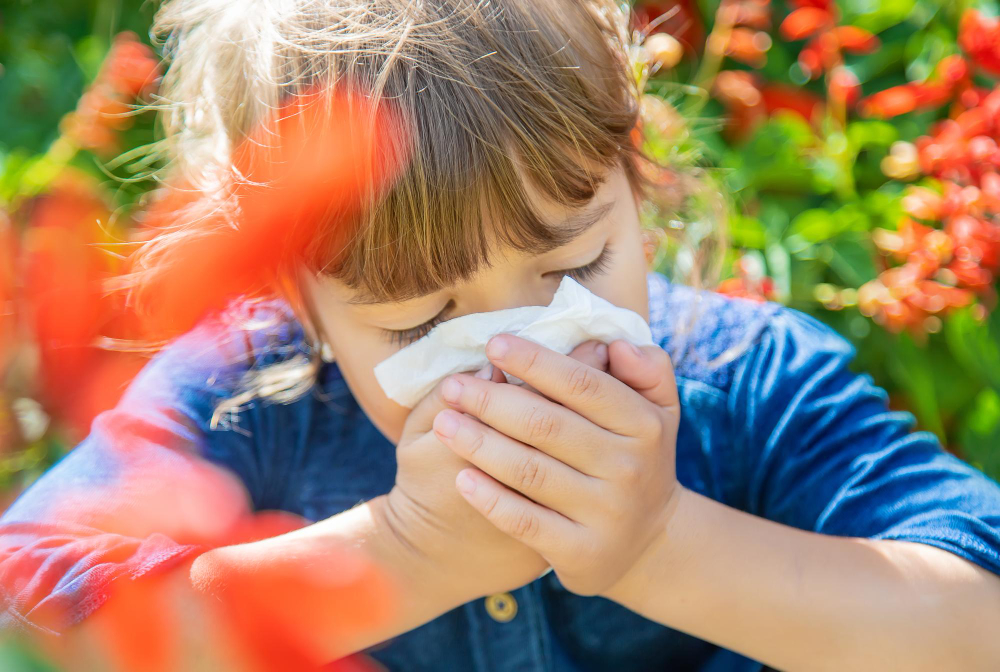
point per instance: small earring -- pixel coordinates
(326, 353)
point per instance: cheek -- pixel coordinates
(356, 356)
(625, 282)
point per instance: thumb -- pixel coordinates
(647, 370)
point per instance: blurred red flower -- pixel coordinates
(979, 37)
(305, 172)
(130, 71)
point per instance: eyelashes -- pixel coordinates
(596, 267)
(406, 336)
(403, 337)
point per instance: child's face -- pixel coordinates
(361, 334)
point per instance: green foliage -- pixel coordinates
(49, 51)
(810, 193)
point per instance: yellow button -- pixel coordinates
(501, 607)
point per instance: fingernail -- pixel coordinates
(465, 483)
(485, 373)
(446, 424)
(635, 350)
(602, 352)
(497, 347)
(451, 390)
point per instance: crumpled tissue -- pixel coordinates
(575, 315)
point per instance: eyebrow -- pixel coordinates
(562, 234)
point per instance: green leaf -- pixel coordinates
(976, 345)
(979, 438)
(17, 656)
(746, 232)
(851, 259)
(876, 16)
(908, 365)
(862, 134)
(815, 225)
(779, 268)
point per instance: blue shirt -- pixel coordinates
(773, 423)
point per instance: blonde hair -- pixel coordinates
(498, 95)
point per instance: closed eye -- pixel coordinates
(403, 337)
(588, 271)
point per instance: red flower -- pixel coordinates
(130, 71)
(748, 46)
(844, 86)
(753, 14)
(811, 60)
(890, 102)
(792, 98)
(805, 22)
(979, 37)
(680, 18)
(951, 69)
(749, 282)
(922, 203)
(308, 169)
(855, 40)
(738, 91)
(968, 273)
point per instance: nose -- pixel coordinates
(507, 292)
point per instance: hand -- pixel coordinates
(585, 475)
(449, 537)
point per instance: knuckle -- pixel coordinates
(531, 362)
(476, 442)
(481, 400)
(490, 506)
(647, 425)
(523, 525)
(583, 382)
(529, 474)
(630, 470)
(541, 425)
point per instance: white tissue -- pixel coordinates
(574, 316)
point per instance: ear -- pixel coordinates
(296, 293)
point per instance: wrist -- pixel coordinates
(400, 549)
(664, 556)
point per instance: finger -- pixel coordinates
(490, 372)
(595, 395)
(541, 529)
(421, 418)
(647, 370)
(531, 472)
(534, 420)
(592, 353)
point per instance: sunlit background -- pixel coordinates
(858, 139)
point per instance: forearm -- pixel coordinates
(798, 600)
(415, 593)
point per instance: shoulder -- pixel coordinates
(713, 339)
(214, 360)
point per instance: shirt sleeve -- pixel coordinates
(150, 486)
(821, 451)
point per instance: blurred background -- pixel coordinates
(858, 139)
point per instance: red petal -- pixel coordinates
(856, 40)
(890, 102)
(804, 22)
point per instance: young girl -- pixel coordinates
(754, 500)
